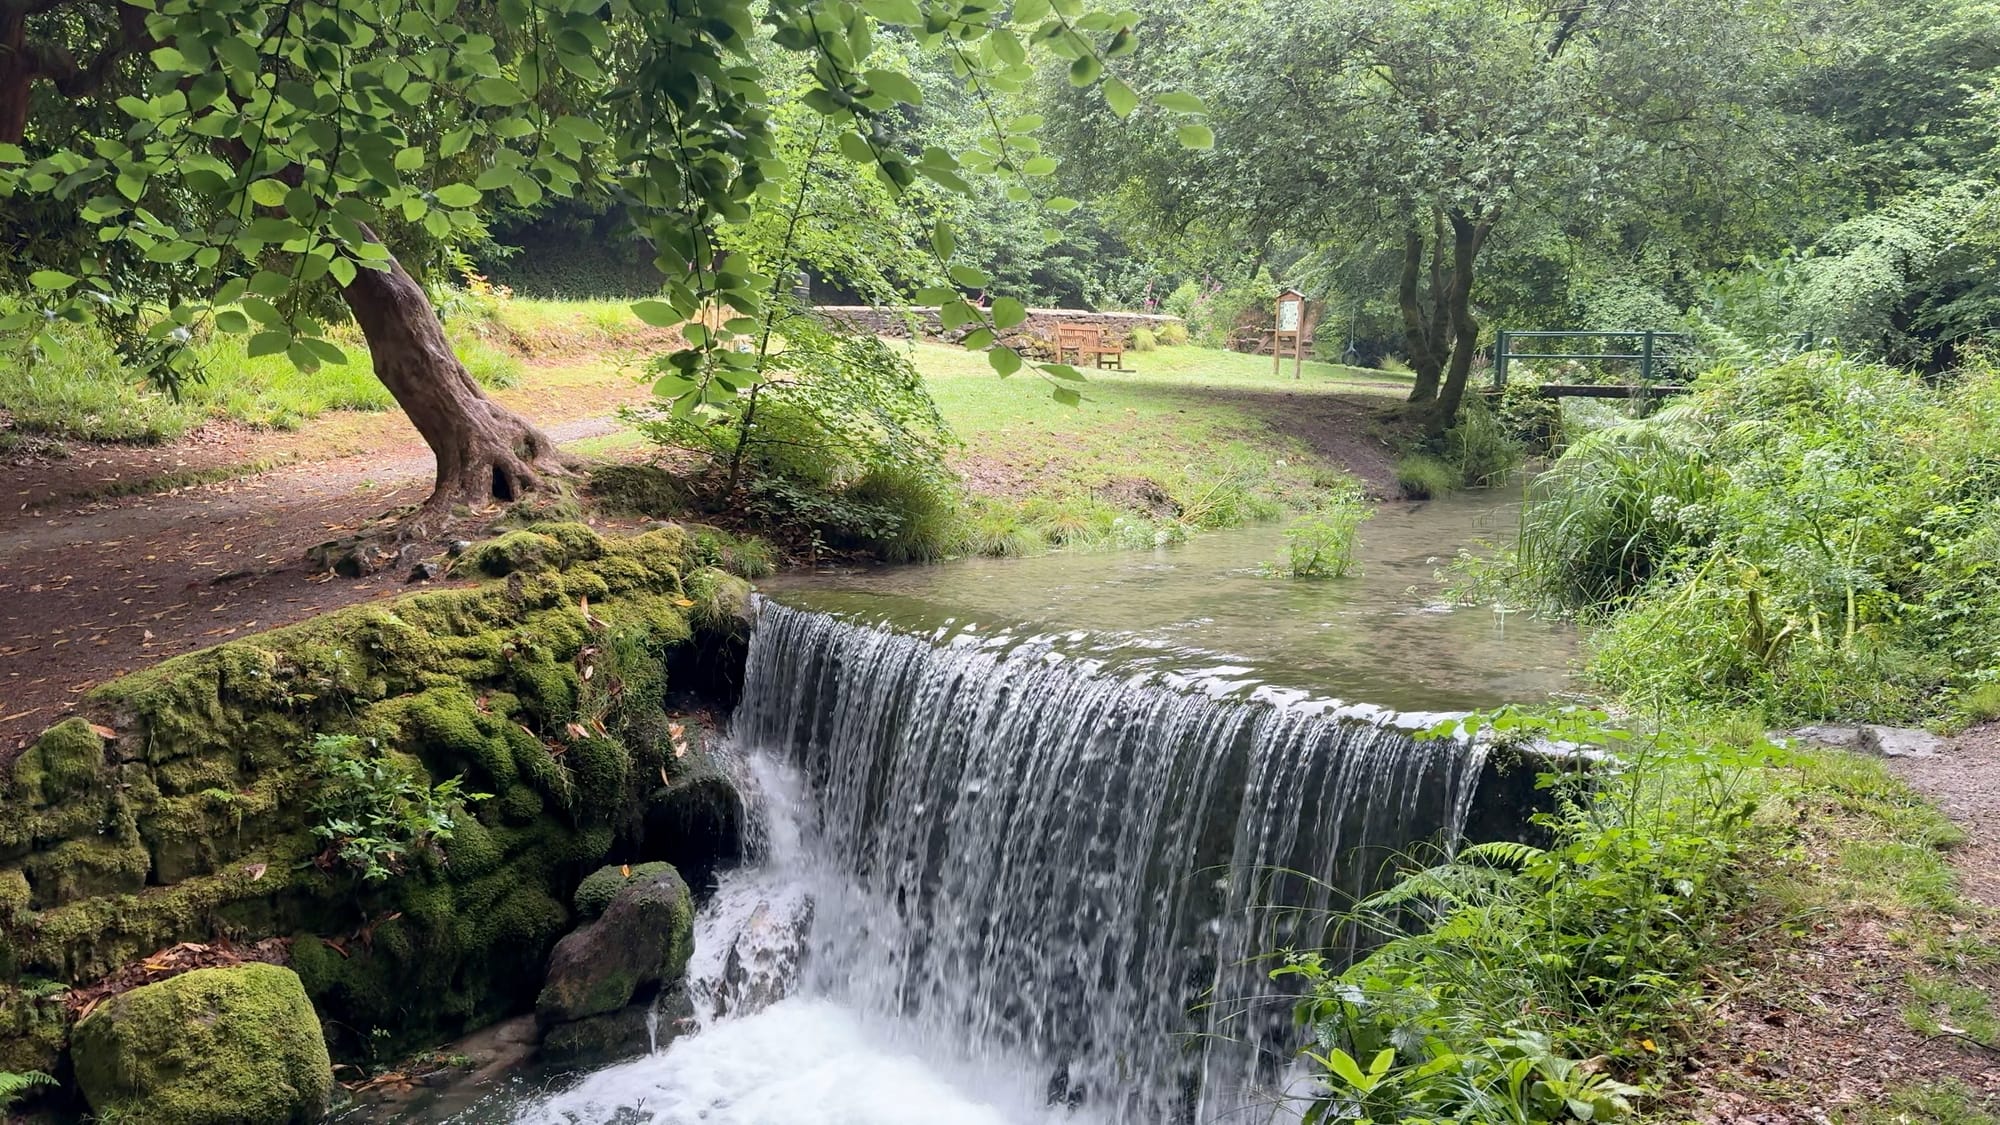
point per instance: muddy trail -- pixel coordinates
(95, 583)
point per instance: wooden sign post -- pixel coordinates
(1293, 332)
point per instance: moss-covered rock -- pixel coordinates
(239, 1044)
(642, 940)
(34, 1027)
(602, 885)
(645, 490)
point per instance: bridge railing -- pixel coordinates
(1655, 353)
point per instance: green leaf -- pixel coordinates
(268, 193)
(903, 13)
(457, 195)
(51, 279)
(1008, 312)
(1062, 371)
(894, 85)
(497, 91)
(659, 314)
(409, 159)
(1196, 136)
(1062, 203)
(942, 241)
(1068, 396)
(1120, 97)
(1343, 1064)
(267, 343)
(1040, 166)
(1178, 102)
(978, 339)
(1006, 361)
(1085, 70)
(343, 271)
(232, 320)
(968, 277)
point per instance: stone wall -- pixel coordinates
(1041, 322)
(191, 801)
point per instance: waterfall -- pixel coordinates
(1055, 863)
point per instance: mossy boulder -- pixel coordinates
(239, 1044)
(602, 885)
(642, 940)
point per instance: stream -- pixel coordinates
(1022, 829)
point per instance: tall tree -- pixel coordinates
(1422, 126)
(232, 162)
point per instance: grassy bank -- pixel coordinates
(85, 391)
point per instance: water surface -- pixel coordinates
(1386, 635)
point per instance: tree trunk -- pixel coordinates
(485, 452)
(1416, 336)
(17, 72)
(1466, 238)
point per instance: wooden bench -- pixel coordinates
(1106, 350)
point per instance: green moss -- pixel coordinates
(202, 826)
(236, 1044)
(87, 867)
(721, 601)
(596, 890)
(646, 490)
(13, 896)
(598, 767)
(66, 760)
(512, 552)
(34, 1029)
(579, 543)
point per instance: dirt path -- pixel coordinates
(93, 589)
(1824, 1024)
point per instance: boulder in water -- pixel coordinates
(642, 940)
(596, 1041)
(696, 824)
(238, 1044)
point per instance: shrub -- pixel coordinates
(1814, 537)
(1321, 544)
(910, 516)
(1424, 476)
(1612, 513)
(1479, 448)
(376, 814)
(1173, 334)
(1143, 340)
(1501, 967)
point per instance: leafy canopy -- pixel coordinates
(257, 149)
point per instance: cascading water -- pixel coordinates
(1000, 883)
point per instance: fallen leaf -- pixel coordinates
(103, 732)
(256, 871)
(625, 869)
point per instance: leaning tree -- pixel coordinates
(172, 166)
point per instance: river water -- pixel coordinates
(1023, 829)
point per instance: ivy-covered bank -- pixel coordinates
(406, 795)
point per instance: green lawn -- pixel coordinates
(1179, 413)
(83, 390)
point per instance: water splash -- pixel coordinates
(995, 883)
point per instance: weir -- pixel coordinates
(1010, 879)
(1077, 868)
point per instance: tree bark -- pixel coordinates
(485, 452)
(1416, 334)
(1466, 238)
